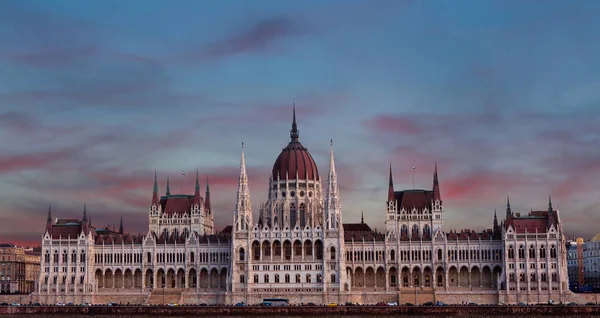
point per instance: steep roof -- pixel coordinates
(418, 199)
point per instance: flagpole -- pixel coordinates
(413, 176)
(182, 176)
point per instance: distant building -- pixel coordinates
(19, 269)
(583, 259)
(575, 267)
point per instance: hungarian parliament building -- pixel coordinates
(299, 248)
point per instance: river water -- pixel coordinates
(280, 316)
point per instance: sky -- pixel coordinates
(97, 95)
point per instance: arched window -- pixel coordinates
(543, 252)
(392, 255)
(302, 215)
(308, 278)
(149, 257)
(332, 251)
(404, 230)
(176, 233)
(73, 257)
(531, 251)
(552, 251)
(287, 278)
(47, 257)
(242, 279)
(242, 254)
(82, 257)
(297, 278)
(276, 278)
(192, 257)
(532, 277)
(266, 278)
(521, 251)
(415, 230)
(293, 215)
(333, 278)
(439, 254)
(256, 250)
(426, 230)
(511, 252)
(255, 278)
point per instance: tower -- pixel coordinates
(242, 215)
(197, 214)
(391, 210)
(437, 209)
(333, 216)
(154, 212)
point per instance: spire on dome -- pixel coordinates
(155, 191)
(391, 186)
(121, 225)
(436, 185)
(168, 187)
(294, 134)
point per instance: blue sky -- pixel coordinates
(94, 96)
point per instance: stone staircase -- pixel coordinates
(167, 296)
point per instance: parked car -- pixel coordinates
(332, 305)
(429, 303)
(439, 303)
(15, 304)
(393, 303)
(240, 304)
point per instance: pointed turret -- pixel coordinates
(362, 216)
(436, 185)
(49, 220)
(333, 217)
(391, 186)
(495, 220)
(121, 225)
(197, 191)
(550, 204)
(294, 134)
(207, 197)
(168, 187)
(155, 201)
(243, 206)
(508, 210)
(84, 221)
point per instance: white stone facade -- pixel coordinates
(300, 249)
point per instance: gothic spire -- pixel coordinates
(495, 220)
(391, 186)
(197, 191)
(84, 222)
(294, 134)
(168, 187)
(508, 210)
(155, 191)
(332, 199)
(121, 225)
(243, 206)
(550, 204)
(362, 216)
(207, 196)
(49, 219)
(436, 185)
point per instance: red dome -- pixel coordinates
(295, 160)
